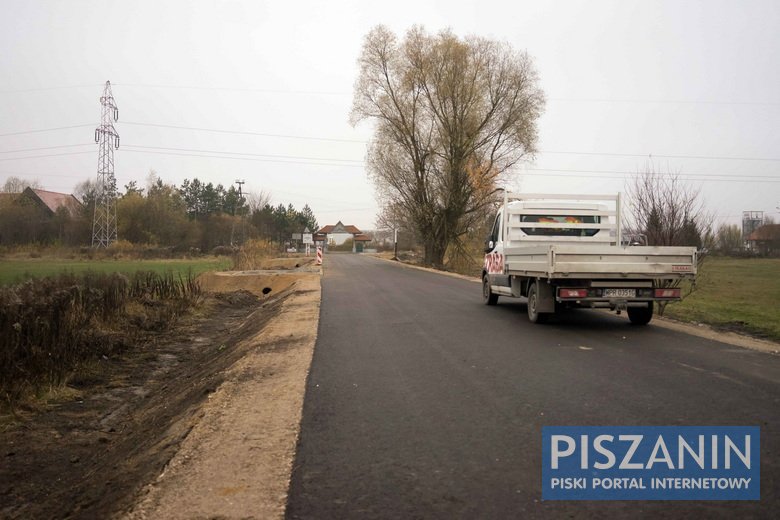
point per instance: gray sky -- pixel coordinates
(695, 84)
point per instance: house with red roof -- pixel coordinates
(765, 240)
(51, 202)
(34, 215)
(338, 233)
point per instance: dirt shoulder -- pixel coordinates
(198, 421)
(236, 461)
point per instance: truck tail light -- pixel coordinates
(573, 293)
(667, 293)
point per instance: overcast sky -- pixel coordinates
(694, 84)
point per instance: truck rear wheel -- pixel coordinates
(533, 303)
(488, 296)
(640, 315)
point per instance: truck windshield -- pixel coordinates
(561, 219)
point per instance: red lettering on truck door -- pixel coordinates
(494, 263)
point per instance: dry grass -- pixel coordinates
(737, 294)
(252, 254)
(51, 326)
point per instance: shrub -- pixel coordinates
(121, 248)
(251, 254)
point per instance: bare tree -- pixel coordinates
(729, 239)
(666, 210)
(87, 192)
(669, 213)
(452, 116)
(18, 185)
(258, 200)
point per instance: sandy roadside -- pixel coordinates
(237, 460)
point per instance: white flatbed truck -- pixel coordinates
(567, 251)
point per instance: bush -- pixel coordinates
(121, 248)
(250, 255)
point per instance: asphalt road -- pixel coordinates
(424, 403)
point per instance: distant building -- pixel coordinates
(50, 201)
(36, 216)
(337, 234)
(765, 240)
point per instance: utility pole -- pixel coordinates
(240, 183)
(104, 221)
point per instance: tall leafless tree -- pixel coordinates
(451, 116)
(668, 212)
(18, 185)
(729, 239)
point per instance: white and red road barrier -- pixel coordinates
(319, 255)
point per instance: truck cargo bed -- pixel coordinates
(572, 261)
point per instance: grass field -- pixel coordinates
(18, 270)
(738, 294)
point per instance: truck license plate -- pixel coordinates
(620, 293)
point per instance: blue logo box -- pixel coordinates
(651, 463)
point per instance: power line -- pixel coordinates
(312, 161)
(312, 138)
(236, 89)
(45, 130)
(735, 176)
(46, 148)
(66, 175)
(238, 132)
(37, 89)
(665, 101)
(244, 159)
(360, 141)
(346, 93)
(699, 179)
(244, 153)
(205, 153)
(282, 159)
(41, 156)
(652, 155)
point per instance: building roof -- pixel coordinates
(768, 232)
(339, 228)
(53, 201)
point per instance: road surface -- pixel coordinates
(424, 403)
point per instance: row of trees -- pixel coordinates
(193, 215)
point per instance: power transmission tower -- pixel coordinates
(104, 221)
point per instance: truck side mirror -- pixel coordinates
(489, 245)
